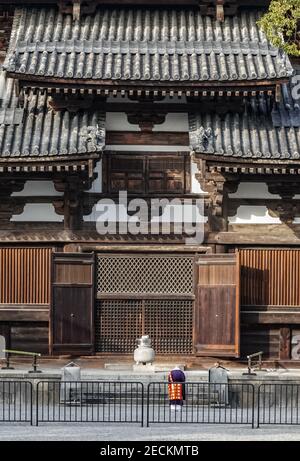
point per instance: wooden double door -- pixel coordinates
(215, 326)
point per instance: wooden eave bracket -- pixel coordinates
(76, 8)
(218, 8)
(220, 15)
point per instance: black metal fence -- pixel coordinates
(204, 403)
(124, 402)
(278, 404)
(90, 401)
(15, 401)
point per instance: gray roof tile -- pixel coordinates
(287, 112)
(143, 44)
(37, 130)
(247, 136)
(259, 133)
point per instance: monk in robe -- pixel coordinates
(176, 390)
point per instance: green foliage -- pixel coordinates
(281, 24)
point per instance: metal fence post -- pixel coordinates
(258, 405)
(148, 402)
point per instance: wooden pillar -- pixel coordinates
(218, 185)
(8, 205)
(221, 249)
(285, 344)
(72, 205)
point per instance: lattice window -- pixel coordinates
(141, 274)
(168, 323)
(118, 325)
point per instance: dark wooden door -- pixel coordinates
(72, 313)
(216, 327)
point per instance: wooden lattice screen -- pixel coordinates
(145, 274)
(169, 324)
(25, 275)
(161, 304)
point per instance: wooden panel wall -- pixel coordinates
(25, 275)
(263, 338)
(270, 277)
(31, 338)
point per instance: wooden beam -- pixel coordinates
(11, 315)
(257, 234)
(162, 138)
(144, 248)
(66, 84)
(258, 317)
(139, 2)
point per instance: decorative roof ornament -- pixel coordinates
(93, 135)
(203, 140)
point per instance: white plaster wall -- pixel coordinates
(172, 213)
(247, 214)
(117, 121)
(178, 123)
(253, 190)
(38, 212)
(37, 188)
(195, 185)
(97, 183)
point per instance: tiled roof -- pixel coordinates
(258, 133)
(36, 130)
(248, 136)
(143, 45)
(287, 112)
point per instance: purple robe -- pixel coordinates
(177, 376)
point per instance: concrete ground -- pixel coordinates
(157, 432)
(94, 369)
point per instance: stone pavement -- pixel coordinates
(115, 432)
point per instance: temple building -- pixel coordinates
(167, 105)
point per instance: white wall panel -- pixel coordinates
(174, 122)
(97, 183)
(177, 122)
(195, 185)
(37, 188)
(38, 212)
(117, 121)
(247, 214)
(253, 190)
